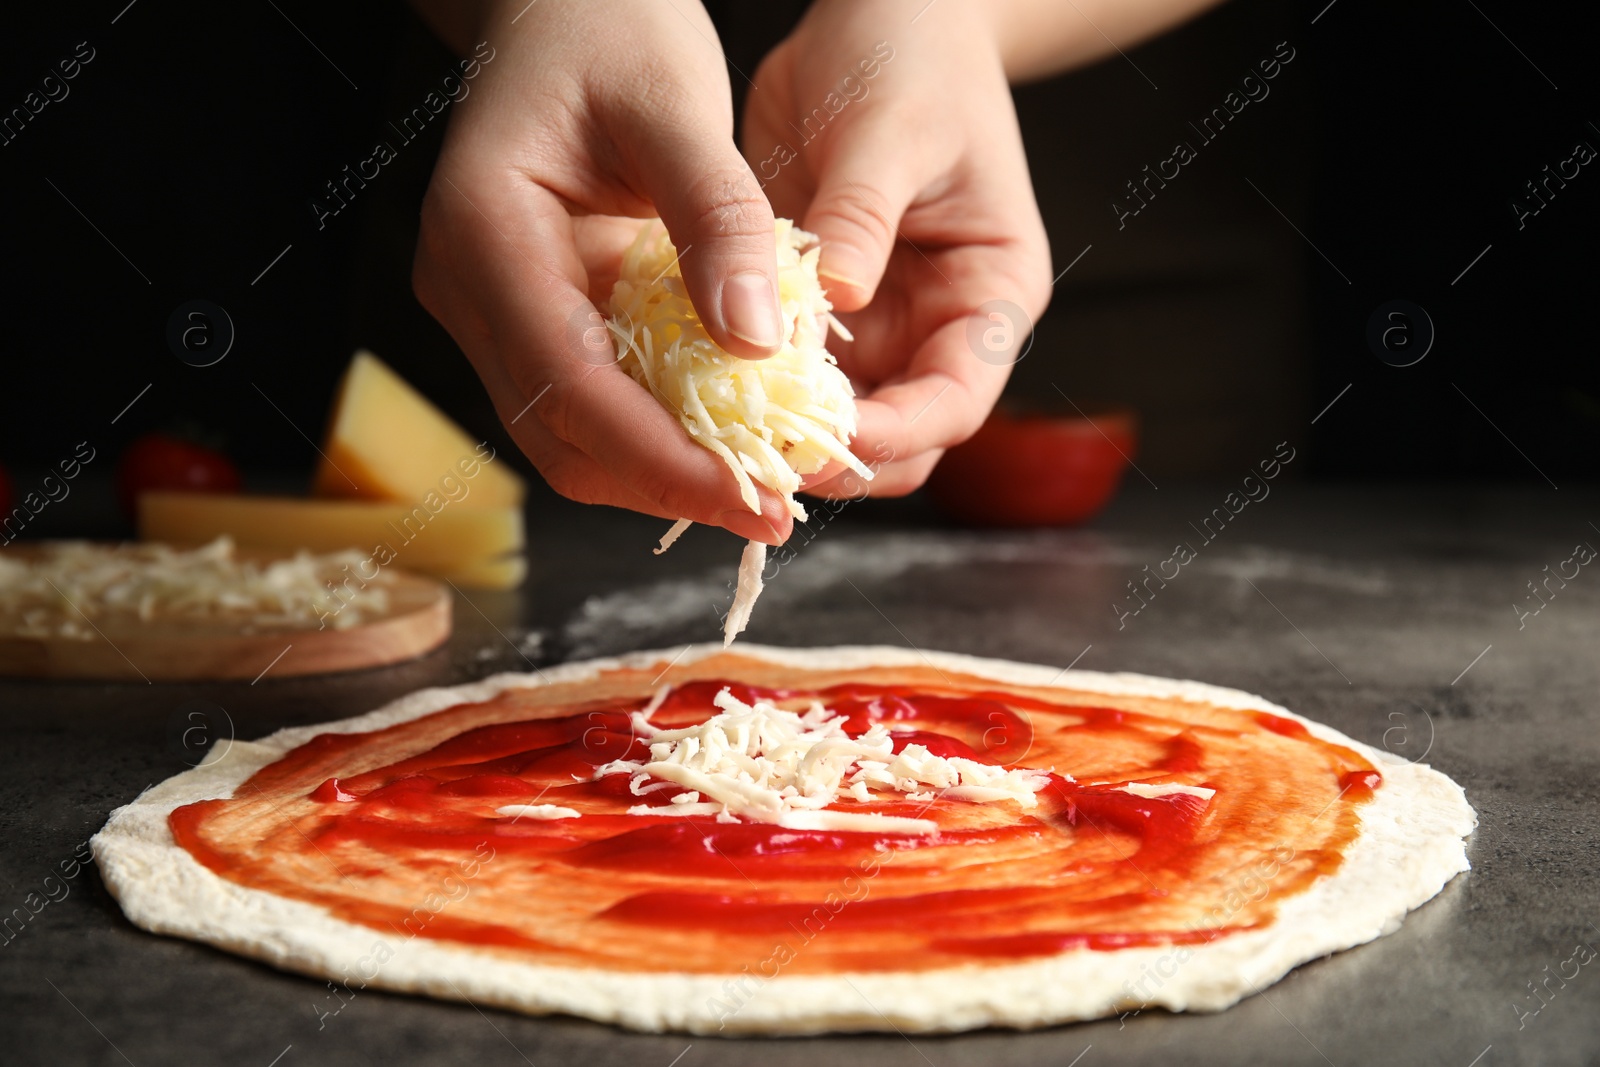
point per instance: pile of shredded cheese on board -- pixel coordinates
(762, 763)
(69, 588)
(770, 420)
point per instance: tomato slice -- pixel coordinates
(1035, 469)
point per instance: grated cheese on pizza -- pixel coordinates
(766, 764)
(537, 811)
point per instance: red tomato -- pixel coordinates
(161, 461)
(1035, 470)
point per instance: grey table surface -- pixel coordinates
(1387, 613)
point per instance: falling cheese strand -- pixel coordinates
(770, 420)
(672, 534)
(751, 563)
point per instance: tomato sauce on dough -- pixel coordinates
(398, 830)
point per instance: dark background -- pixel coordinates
(1394, 142)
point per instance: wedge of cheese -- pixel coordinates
(435, 536)
(386, 441)
(505, 572)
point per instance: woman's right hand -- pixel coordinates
(585, 116)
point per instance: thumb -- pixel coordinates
(861, 196)
(718, 217)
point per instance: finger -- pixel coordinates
(896, 478)
(718, 217)
(830, 471)
(906, 476)
(563, 466)
(574, 475)
(613, 419)
(541, 358)
(956, 374)
(941, 399)
(578, 477)
(863, 192)
(602, 240)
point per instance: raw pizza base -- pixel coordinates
(1410, 844)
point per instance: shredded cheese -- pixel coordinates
(1167, 789)
(763, 763)
(674, 532)
(751, 563)
(71, 587)
(538, 811)
(770, 420)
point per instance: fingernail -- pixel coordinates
(844, 264)
(829, 274)
(748, 525)
(750, 309)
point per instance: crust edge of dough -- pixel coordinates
(1410, 845)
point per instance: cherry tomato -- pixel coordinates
(1035, 470)
(161, 461)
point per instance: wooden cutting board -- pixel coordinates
(418, 621)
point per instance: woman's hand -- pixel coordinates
(589, 114)
(892, 137)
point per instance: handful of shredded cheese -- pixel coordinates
(770, 420)
(766, 764)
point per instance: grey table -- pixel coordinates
(1385, 612)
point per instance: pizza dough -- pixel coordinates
(1408, 846)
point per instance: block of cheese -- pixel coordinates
(506, 572)
(435, 535)
(386, 441)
